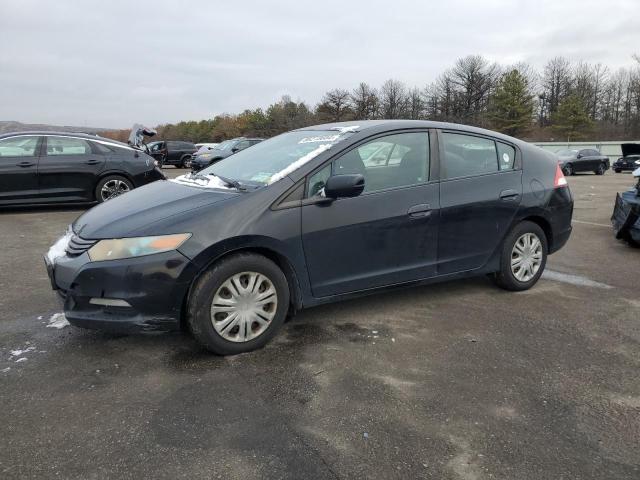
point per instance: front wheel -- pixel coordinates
(523, 257)
(111, 187)
(568, 170)
(238, 305)
(601, 169)
(617, 170)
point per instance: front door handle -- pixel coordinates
(93, 162)
(420, 211)
(509, 195)
(26, 164)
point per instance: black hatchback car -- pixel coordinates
(308, 217)
(48, 167)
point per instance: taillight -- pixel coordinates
(559, 181)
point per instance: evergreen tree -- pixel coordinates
(511, 106)
(572, 119)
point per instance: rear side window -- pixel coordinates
(467, 155)
(506, 156)
(18, 147)
(67, 146)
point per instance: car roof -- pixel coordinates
(380, 125)
(45, 133)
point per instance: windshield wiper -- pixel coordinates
(230, 182)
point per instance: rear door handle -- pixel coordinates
(93, 162)
(26, 164)
(509, 195)
(420, 211)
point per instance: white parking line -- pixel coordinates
(578, 280)
(591, 223)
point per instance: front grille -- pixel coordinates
(77, 246)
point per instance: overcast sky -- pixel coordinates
(112, 63)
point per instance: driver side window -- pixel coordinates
(392, 161)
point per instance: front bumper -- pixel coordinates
(624, 165)
(155, 287)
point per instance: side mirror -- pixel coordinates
(579, 155)
(235, 149)
(342, 186)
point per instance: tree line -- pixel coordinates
(563, 101)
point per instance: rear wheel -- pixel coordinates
(601, 169)
(111, 187)
(617, 170)
(568, 170)
(523, 257)
(238, 305)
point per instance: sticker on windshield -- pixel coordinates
(320, 138)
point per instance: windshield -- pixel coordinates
(277, 157)
(566, 153)
(225, 145)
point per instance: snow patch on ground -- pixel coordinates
(18, 352)
(299, 163)
(57, 250)
(58, 320)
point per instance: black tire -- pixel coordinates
(617, 170)
(118, 180)
(184, 162)
(505, 278)
(201, 297)
(601, 169)
(568, 170)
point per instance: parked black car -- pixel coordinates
(222, 150)
(630, 159)
(309, 217)
(172, 152)
(626, 213)
(49, 167)
(585, 160)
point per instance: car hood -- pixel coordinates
(127, 215)
(630, 149)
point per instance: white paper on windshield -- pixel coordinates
(300, 162)
(201, 181)
(320, 138)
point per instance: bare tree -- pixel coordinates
(556, 84)
(474, 79)
(415, 104)
(335, 106)
(393, 99)
(364, 102)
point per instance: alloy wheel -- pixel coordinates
(244, 306)
(113, 188)
(526, 257)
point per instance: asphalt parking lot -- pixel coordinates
(454, 381)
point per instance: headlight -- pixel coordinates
(114, 249)
(637, 162)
